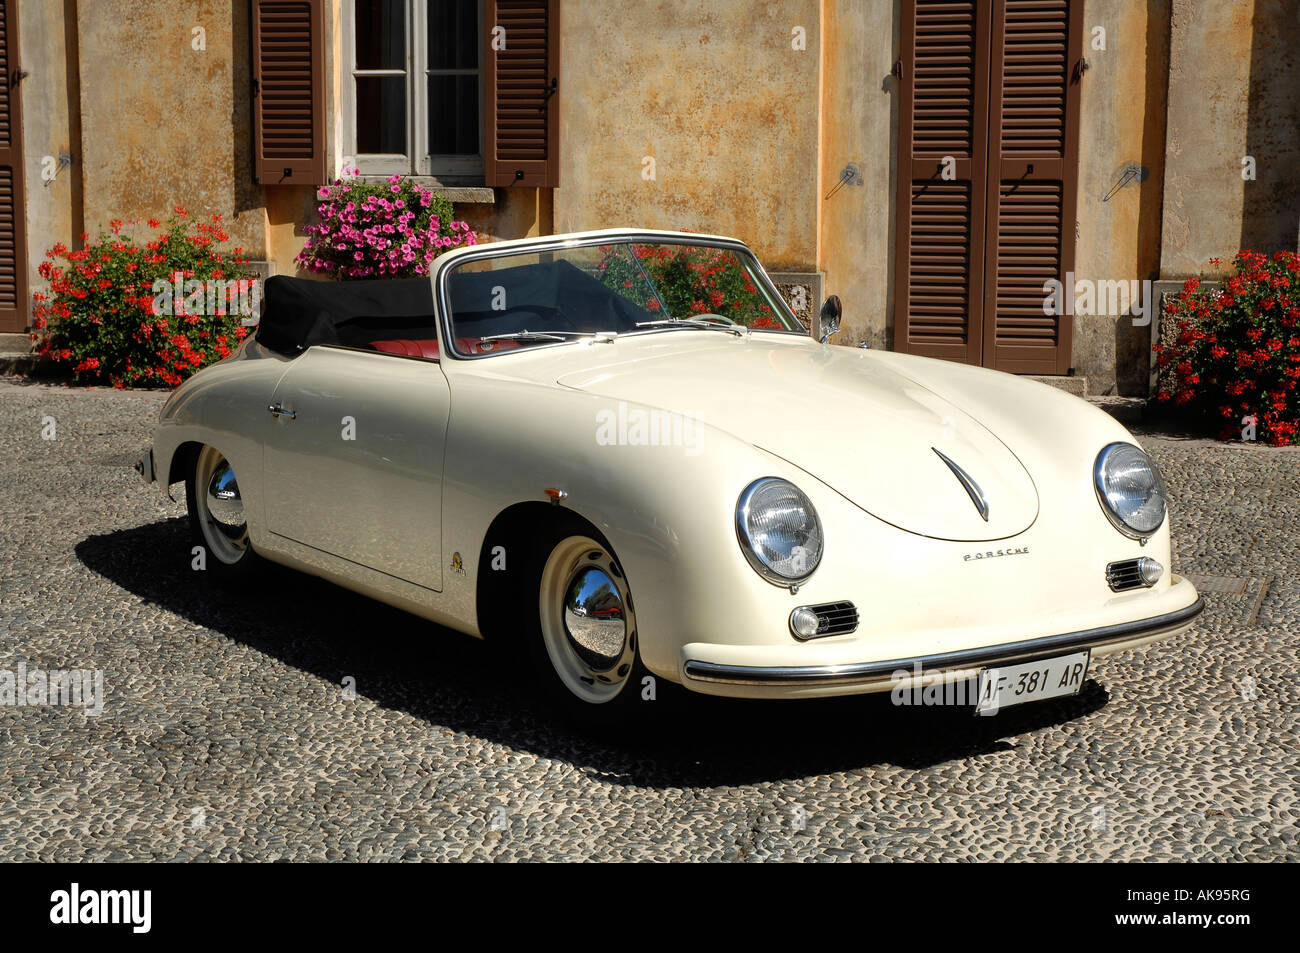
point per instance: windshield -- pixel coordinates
(533, 298)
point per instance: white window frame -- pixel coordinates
(456, 169)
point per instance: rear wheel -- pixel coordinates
(217, 520)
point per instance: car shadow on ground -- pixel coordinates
(401, 662)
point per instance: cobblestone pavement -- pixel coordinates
(225, 733)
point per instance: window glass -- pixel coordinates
(690, 281)
(452, 59)
(453, 34)
(381, 114)
(453, 115)
(619, 287)
(380, 34)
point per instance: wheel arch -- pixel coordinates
(182, 461)
(517, 528)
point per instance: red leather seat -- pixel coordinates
(428, 347)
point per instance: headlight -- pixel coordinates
(1131, 490)
(779, 531)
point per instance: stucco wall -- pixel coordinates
(716, 95)
(1271, 203)
(1122, 127)
(153, 123)
(859, 116)
(50, 128)
(720, 99)
(1234, 92)
(748, 137)
(160, 122)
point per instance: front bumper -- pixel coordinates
(777, 681)
(144, 466)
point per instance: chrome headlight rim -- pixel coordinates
(747, 547)
(1103, 499)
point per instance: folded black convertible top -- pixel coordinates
(299, 312)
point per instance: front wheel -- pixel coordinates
(217, 520)
(585, 642)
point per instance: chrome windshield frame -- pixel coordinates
(558, 243)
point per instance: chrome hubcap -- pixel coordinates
(221, 509)
(593, 619)
(224, 502)
(587, 619)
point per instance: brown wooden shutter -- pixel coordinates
(14, 309)
(521, 98)
(289, 92)
(943, 94)
(1033, 163)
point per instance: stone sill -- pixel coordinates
(457, 194)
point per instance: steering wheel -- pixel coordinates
(710, 316)
(466, 328)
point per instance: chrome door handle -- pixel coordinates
(279, 411)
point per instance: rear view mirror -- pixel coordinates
(828, 321)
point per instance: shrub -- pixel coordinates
(690, 280)
(111, 314)
(1236, 353)
(390, 229)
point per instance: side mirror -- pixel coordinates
(828, 321)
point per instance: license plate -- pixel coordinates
(1009, 685)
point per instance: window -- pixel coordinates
(412, 88)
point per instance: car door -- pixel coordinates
(353, 465)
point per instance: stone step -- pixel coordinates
(16, 355)
(21, 364)
(1078, 386)
(1127, 410)
(15, 344)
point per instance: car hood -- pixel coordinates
(870, 433)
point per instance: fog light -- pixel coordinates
(1150, 570)
(804, 622)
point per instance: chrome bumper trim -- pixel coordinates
(144, 466)
(868, 672)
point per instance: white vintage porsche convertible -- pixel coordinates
(621, 449)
